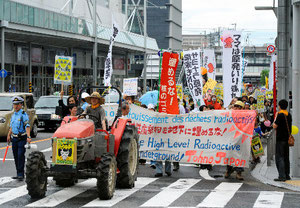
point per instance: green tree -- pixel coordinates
(264, 73)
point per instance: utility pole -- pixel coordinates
(95, 49)
(145, 46)
(295, 87)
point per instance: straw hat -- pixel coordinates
(95, 95)
(239, 103)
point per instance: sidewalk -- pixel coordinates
(266, 175)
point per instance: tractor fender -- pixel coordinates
(118, 130)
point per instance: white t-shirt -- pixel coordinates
(181, 109)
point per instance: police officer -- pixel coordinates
(19, 134)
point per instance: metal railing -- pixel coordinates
(271, 142)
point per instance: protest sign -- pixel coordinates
(130, 86)
(209, 62)
(209, 85)
(63, 70)
(257, 147)
(232, 65)
(260, 102)
(191, 62)
(167, 94)
(218, 91)
(179, 91)
(269, 94)
(108, 70)
(211, 137)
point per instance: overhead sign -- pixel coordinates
(63, 70)
(130, 86)
(3, 73)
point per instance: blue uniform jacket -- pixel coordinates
(19, 122)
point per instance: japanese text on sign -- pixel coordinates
(191, 62)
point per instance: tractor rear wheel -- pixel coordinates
(36, 178)
(127, 158)
(107, 175)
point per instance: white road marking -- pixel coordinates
(221, 195)
(13, 194)
(121, 194)
(269, 199)
(170, 193)
(47, 150)
(4, 180)
(9, 159)
(204, 174)
(64, 195)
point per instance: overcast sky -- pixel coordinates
(206, 15)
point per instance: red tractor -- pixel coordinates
(79, 151)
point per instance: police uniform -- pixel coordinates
(18, 124)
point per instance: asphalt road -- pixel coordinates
(186, 188)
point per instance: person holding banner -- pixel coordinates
(238, 105)
(70, 100)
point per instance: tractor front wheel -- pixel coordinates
(36, 178)
(107, 175)
(127, 158)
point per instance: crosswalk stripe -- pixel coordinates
(4, 180)
(121, 194)
(269, 199)
(64, 195)
(205, 175)
(171, 193)
(13, 194)
(221, 195)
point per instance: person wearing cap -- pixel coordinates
(95, 110)
(85, 104)
(19, 134)
(247, 106)
(238, 105)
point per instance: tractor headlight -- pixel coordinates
(2, 120)
(55, 117)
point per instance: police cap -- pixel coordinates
(17, 100)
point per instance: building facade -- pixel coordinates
(35, 31)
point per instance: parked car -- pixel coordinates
(45, 110)
(6, 111)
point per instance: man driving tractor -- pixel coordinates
(95, 110)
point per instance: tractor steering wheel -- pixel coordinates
(84, 115)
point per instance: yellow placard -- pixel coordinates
(63, 70)
(257, 147)
(179, 91)
(269, 94)
(209, 85)
(218, 91)
(260, 102)
(66, 152)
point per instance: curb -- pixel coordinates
(261, 168)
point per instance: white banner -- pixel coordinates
(108, 70)
(211, 137)
(209, 62)
(271, 72)
(232, 65)
(191, 61)
(130, 86)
